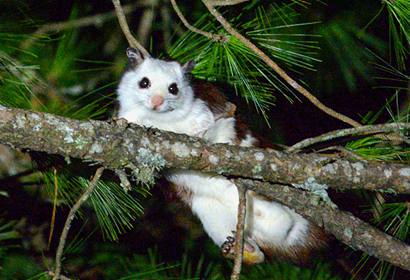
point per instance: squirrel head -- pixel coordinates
(155, 85)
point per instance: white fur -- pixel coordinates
(223, 131)
(180, 114)
(214, 198)
(249, 141)
(215, 202)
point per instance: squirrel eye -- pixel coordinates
(173, 89)
(144, 83)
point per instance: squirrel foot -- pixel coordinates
(251, 252)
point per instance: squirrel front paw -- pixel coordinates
(251, 252)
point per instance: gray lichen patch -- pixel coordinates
(329, 168)
(148, 165)
(388, 173)
(259, 156)
(405, 172)
(213, 159)
(20, 122)
(274, 167)
(145, 142)
(194, 152)
(180, 149)
(257, 169)
(358, 167)
(316, 188)
(146, 158)
(96, 148)
(68, 133)
(80, 142)
(348, 233)
(34, 117)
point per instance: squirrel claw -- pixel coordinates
(251, 252)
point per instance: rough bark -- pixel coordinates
(117, 147)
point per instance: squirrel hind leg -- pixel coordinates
(252, 254)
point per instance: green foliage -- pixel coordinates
(7, 233)
(399, 22)
(17, 266)
(345, 40)
(69, 73)
(392, 217)
(116, 209)
(277, 30)
(151, 266)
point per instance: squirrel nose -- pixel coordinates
(157, 101)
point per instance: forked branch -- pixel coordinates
(212, 36)
(126, 30)
(294, 84)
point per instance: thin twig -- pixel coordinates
(126, 30)
(62, 277)
(125, 183)
(227, 2)
(70, 218)
(364, 130)
(212, 36)
(277, 69)
(343, 152)
(76, 23)
(239, 237)
(53, 215)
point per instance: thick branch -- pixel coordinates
(344, 226)
(228, 27)
(118, 147)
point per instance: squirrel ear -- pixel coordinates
(189, 66)
(134, 57)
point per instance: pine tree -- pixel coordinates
(66, 57)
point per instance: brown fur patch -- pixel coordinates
(215, 99)
(301, 254)
(182, 193)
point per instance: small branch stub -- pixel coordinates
(236, 271)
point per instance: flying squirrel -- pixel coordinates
(157, 93)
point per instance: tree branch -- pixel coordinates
(368, 129)
(76, 23)
(126, 30)
(240, 224)
(228, 27)
(83, 198)
(214, 37)
(343, 225)
(103, 142)
(227, 2)
(119, 147)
